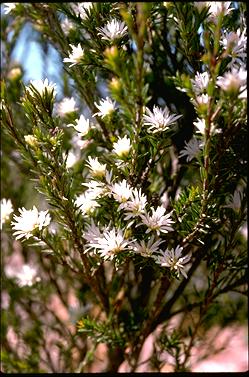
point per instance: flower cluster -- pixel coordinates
(109, 242)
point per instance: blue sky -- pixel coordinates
(29, 54)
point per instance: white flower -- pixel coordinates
(121, 191)
(67, 105)
(159, 120)
(67, 25)
(106, 107)
(97, 189)
(146, 249)
(75, 56)
(112, 30)
(110, 243)
(201, 125)
(200, 82)
(200, 100)
(191, 149)
(31, 140)
(92, 233)
(77, 142)
(235, 200)
(171, 258)
(158, 221)
(82, 125)
(80, 9)
(11, 270)
(87, 202)
(72, 158)
(8, 7)
(6, 209)
(108, 177)
(217, 8)
(97, 169)
(232, 81)
(122, 146)
(200, 5)
(136, 204)
(235, 43)
(41, 87)
(28, 221)
(26, 275)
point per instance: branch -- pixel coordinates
(165, 312)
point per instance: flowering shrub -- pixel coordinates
(140, 154)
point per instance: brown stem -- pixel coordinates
(115, 359)
(91, 280)
(157, 307)
(163, 313)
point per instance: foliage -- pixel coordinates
(126, 183)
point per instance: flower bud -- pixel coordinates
(14, 74)
(31, 140)
(115, 84)
(111, 55)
